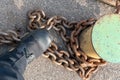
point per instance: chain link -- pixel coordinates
(118, 7)
(8, 37)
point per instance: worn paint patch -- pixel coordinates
(19, 3)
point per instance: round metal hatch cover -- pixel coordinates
(106, 37)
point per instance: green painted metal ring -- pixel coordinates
(106, 37)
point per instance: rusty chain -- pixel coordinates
(117, 7)
(74, 59)
(8, 37)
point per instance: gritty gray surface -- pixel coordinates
(13, 13)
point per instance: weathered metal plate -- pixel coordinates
(106, 37)
(110, 2)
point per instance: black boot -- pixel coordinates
(35, 43)
(30, 47)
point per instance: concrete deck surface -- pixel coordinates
(13, 13)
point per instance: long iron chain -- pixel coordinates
(74, 59)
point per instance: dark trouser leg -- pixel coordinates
(12, 65)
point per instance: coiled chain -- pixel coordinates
(74, 59)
